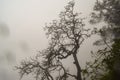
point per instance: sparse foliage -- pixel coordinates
(66, 37)
(106, 63)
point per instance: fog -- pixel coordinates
(22, 34)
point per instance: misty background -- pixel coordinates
(22, 30)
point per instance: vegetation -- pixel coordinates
(106, 63)
(66, 36)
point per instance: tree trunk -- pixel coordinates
(78, 67)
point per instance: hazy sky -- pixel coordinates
(24, 21)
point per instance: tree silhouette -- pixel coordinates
(66, 37)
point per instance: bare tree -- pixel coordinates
(66, 37)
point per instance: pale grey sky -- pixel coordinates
(25, 20)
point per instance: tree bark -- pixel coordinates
(78, 67)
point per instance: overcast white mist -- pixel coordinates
(21, 30)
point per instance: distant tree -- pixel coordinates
(66, 37)
(107, 10)
(4, 30)
(106, 64)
